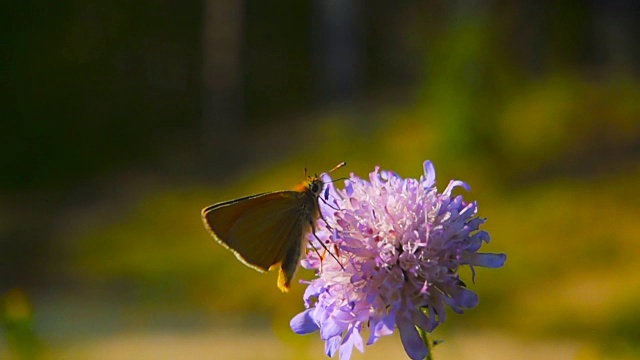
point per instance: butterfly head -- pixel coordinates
(315, 185)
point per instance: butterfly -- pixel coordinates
(267, 231)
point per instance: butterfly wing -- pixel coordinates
(260, 229)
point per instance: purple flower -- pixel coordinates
(400, 244)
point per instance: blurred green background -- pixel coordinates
(123, 119)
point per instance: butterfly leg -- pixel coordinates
(329, 205)
(321, 257)
(313, 231)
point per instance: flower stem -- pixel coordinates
(425, 338)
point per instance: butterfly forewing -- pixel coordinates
(219, 218)
(258, 229)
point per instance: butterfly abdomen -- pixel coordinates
(308, 215)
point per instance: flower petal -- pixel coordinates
(314, 289)
(489, 260)
(381, 327)
(330, 329)
(413, 345)
(453, 184)
(303, 323)
(345, 350)
(467, 298)
(349, 341)
(422, 321)
(357, 339)
(331, 345)
(429, 174)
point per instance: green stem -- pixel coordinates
(425, 338)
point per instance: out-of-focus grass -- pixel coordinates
(16, 321)
(571, 239)
(241, 344)
(571, 249)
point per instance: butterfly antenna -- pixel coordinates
(338, 179)
(334, 169)
(337, 167)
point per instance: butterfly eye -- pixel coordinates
(315, 188)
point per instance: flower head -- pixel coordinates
(399, 244)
